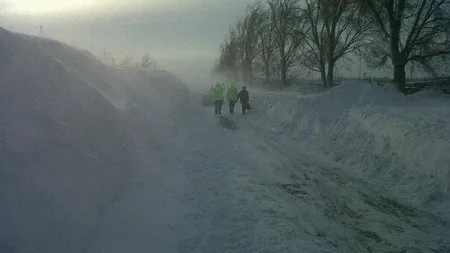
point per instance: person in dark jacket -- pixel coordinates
(245, 99)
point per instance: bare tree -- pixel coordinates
(313, 53)
(145, 61)
(284, 15)
(336, 28)
(411, 31)
(228, 63)
(247, 28)
(41, 31)
(266, 47)
(148, 62)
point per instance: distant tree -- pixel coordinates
(408, 31)
(247, 29)
(228, 63)
(41, 31)
(145, 62)
(148, 62)
(239, 51)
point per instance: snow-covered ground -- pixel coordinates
(97, 159)
(400, 144)
(64, 152)
(70, 138)
(379, 159)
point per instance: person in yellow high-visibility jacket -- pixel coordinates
(218, 98)
(232, 97)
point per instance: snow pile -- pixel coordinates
(400, 144)
(155, 95)
(83, 66)
(66, 145)
(64, 154)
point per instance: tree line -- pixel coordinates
(278, 39)
(146, 62)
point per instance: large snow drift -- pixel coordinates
(400, 144)
(65, 151)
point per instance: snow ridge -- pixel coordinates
(400, 144)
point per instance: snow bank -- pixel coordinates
(66, 147)
(156, 95)
(400, 144)
(85, 67)
(64, 154)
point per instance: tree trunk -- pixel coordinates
(330, 74)
(397, 56)
(247, 75)
(323, 76)
(282, 66)
(267, 74)
(400, 78)
(283, 70)
(284, 77)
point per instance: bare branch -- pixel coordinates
(336, 28)
(417, 31)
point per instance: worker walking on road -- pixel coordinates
(232, 96)
(218, 98)
(245, 99)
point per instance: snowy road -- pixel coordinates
(248, 190)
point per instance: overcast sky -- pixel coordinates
(183, 35)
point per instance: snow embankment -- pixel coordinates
(67, 146)
(400, 144)
(155, 96)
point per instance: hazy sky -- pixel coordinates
(183, 35)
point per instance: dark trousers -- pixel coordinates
(244, 106)
(231, 104)
(218, 106)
